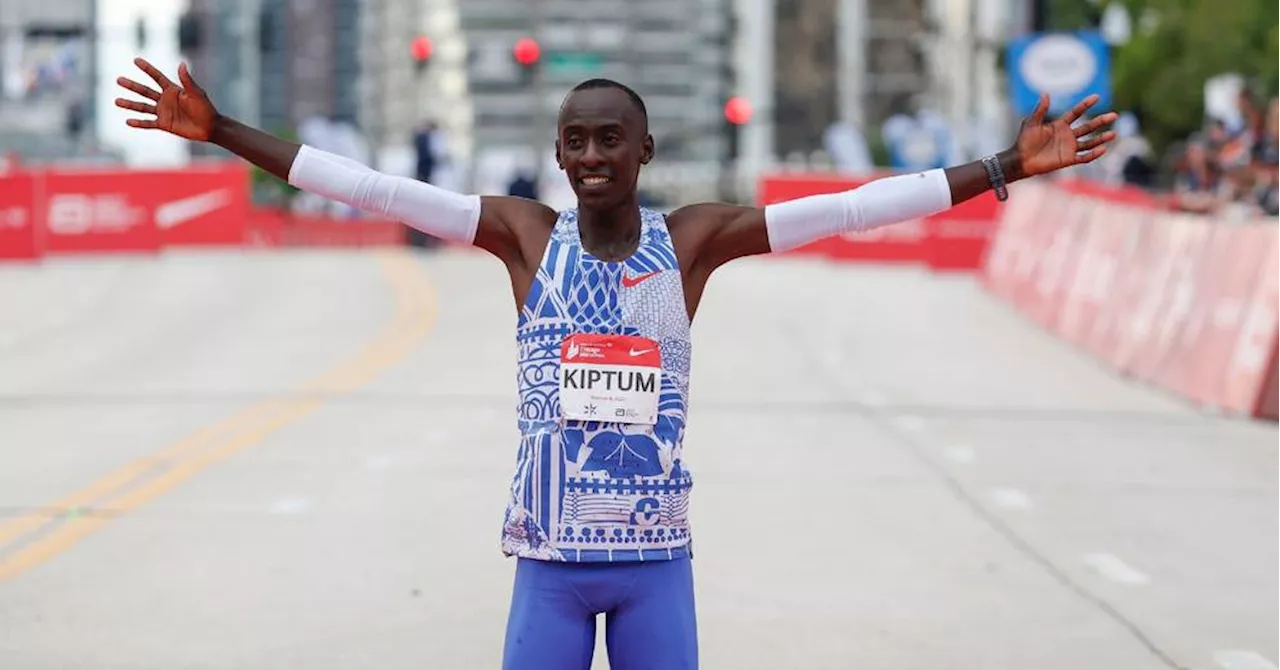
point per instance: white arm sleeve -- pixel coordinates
(433, 210)
(878, 203)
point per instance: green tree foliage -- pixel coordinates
(1176, 46)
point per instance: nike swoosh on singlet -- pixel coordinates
(635, 281)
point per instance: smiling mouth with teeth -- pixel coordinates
(595, 181)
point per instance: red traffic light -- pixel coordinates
(421, 48)
(737, 111)
(527, 52)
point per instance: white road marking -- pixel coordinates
(291, 506)
(1115, 569)
(1009, 498)
(959, 453)
(1242, 660)
(911, 424)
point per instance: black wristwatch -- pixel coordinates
(995, 174)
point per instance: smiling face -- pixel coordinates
(603, 139)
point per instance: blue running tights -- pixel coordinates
(648, 608)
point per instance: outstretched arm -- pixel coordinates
(725, 232)
(187, 112)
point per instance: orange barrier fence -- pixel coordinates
(1182, 302)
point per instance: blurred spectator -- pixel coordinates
(523, 186)
(847, 147)
(426, 144)
(1265, 152)
(1130, 158)
(1265, 145)
(430, 153)
(1197, 180)
(1250, 117)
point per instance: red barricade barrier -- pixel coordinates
(1182, 302)
(96, 211)
(1088, 299)
(1010, 255)
(144, 210)
(1054, 268)
(108, 210)
(18, 231)
(202, 205)
(1129, 195)
(274, 228)
(954, 240)
(1255, 343)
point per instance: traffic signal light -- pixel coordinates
(737, 111)
(421, 48)
(527, 54)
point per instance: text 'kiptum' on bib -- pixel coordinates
(610, 378)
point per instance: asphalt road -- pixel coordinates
(300, 460)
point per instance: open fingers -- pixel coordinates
(141, 89)
(1080, 108)
(1096, 124)
(1042, 108)
(136, 106)
(1095, 141)
(164, 82)
(1090, 156)
(141, 123)
(188, 82)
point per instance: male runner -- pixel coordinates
(605, 293)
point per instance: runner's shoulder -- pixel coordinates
(705, 213)
(698, 221)
(517, 214)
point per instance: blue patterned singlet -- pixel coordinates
(591, 491)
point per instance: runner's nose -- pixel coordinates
(592, 157)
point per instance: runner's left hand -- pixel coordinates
(1047, 146)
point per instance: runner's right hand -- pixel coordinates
(183, 110)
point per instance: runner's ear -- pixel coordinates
(646, 150)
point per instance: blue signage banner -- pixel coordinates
(1068, 66)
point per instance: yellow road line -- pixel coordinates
(414, 316)
(127, 473)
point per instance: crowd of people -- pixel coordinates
(1231, 164)
(1227, 168)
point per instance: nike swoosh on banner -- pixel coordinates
(178, 212)
(635, 281)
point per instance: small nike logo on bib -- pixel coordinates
(630, 282)
(640, 352)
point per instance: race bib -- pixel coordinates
(610, 378)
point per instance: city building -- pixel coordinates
(47, 68)
(674, 53)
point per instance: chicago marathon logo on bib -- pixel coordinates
(610, 378)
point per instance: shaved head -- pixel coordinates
(599, 83)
